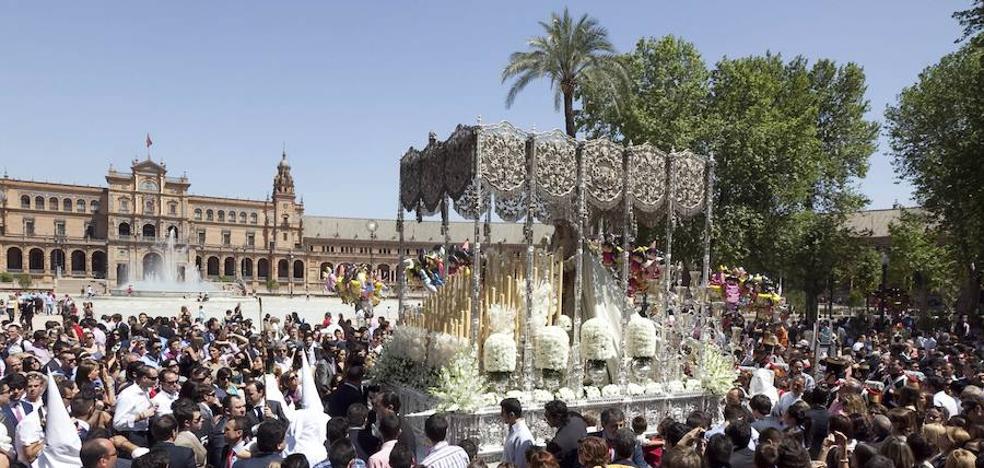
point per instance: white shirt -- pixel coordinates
(163, 401)
(946, 401)
(518, 439)
(28, 431)
(129, 404)
(444, 455)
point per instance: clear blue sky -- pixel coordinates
(350, 85)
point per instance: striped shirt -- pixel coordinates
(444, 455)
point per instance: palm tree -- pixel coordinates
(574, 56)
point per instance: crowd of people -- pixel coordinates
(185, 392)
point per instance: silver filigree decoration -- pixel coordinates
(556, 166)
(647, 178)
(503, 153)
(410, 179)
(467, 204)
(602, 161)
(687, 171)
(511, 208)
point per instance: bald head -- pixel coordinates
(98, 453)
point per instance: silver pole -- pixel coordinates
(708, 224)
(575, 365)
(670, 221)
(477, 248)
(401, 272)
(528, 235)
(623, 380)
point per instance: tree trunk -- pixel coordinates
(569, 113)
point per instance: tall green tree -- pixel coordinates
(918, 262)
(573, 55)
(972, 20)
(937, 138)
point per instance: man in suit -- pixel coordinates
(165, 430)
(571, 428)
(232, 407)
(740, 433)
(365, 443)
(269, 444)
(16, 409)
(260, 408)
(348, 393)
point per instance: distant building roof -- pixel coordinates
(876, 221)
(325, 227)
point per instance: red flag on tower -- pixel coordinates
(149, 142)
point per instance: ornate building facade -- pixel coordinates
(119, 232)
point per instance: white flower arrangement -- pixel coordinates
(544, 303)
(718, 370)
(517, 394)
(565, 394)
(564, 322)
(634, 389)
(641, 338)
(551, 348)
(692, 385)
(441, 347)
(597, 340)
(611, 391)
(460, 386)
(654, 388)
(502, 319)
(675, 386)
(410, 342)
(542, 395)
(499, 354)
(490, 399)
(591, 392)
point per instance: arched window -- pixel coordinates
(38, 203)
(80, 206)
(242, 217)
(232, 216)
(124, 229)
(221, 216)
(94, 206)
(252, 218)
(67, 205)
(53, 204)
(149, 230)
(198, 214)
(208, 215)
(25, 201)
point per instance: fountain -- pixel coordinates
(166, 272)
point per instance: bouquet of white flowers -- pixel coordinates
(551, 348)
(611, 391)
(460, 386)
(591, 392)
(635, 389)
(499, 354)
(597, 340)
(641, 339)
(654, 388)
(410, 342)
(566, 394)
(544, 303)
(502, 318)
(564, 322)
(442, 347)
(718, 371)
(542, 395)
(675, 386)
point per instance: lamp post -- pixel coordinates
(372, 226)
(290, 274)
(882, 293)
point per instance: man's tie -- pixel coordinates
(259, 412)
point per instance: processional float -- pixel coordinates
(548, 177)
